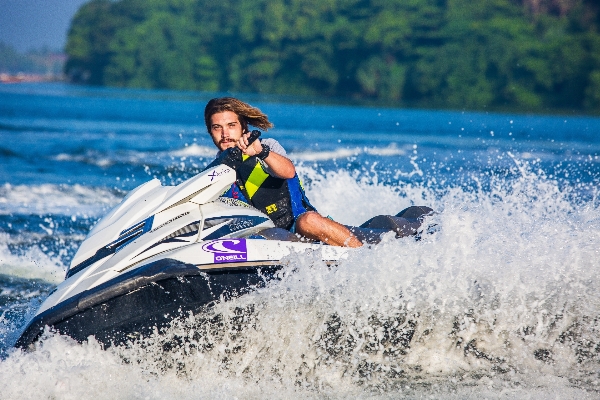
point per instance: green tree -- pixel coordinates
(442, 53)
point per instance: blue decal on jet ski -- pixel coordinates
(189, 230)
(231, 224)
(227, 250)
(144, 225)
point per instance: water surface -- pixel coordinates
(502, 301)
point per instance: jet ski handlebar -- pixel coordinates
(232, 157)
(255, 134)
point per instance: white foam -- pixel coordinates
(55, 199)
(131, 157)
(341, 153)
(324, 155)
(32, 264)
(94, 158)
(352, 198)
(195, 150)
(389, 151)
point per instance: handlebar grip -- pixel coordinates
(255, 134)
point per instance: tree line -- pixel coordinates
(43, 61)
(530, 55)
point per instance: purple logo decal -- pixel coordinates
(227, 250)
(216, 174)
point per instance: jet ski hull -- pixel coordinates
(150, 297)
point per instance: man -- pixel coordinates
(267, 178)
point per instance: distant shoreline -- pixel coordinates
(24, 77)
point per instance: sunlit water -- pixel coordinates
(500, 302)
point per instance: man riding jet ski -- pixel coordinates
(165, 251)
(266, 178)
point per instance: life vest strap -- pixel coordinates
(257, 177)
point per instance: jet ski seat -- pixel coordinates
(405, 223)
(278, 234)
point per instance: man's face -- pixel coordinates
(225, 129)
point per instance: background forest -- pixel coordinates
(530, 55)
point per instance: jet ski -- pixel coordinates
(166, 251)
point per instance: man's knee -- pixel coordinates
(308, 221)
(313, 222)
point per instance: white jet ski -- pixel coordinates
(165, 251)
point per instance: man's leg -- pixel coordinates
(314, 226)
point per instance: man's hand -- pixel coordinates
(249, 150)
(280, 166)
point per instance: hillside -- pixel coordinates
(530, 55)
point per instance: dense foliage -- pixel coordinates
(530, 54)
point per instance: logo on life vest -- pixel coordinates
(227, 250)
(271, 209)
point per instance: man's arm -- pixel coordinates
(278, 164)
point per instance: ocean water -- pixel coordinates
(502, 301)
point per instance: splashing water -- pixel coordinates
(499, 301)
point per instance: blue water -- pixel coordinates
(501, 301)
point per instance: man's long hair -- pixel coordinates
(247, 114)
